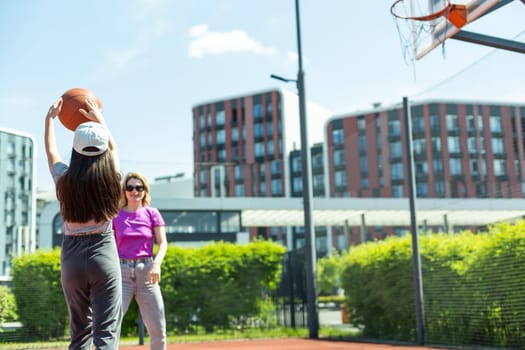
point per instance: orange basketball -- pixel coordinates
(72, 100)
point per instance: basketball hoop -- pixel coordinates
(455, 13)
(419, 21)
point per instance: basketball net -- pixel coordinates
(416, 22)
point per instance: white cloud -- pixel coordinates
(204, 42)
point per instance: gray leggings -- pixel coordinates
(92, 287)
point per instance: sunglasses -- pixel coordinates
(130, 188)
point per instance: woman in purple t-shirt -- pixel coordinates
(137, 227)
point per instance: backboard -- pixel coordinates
(429, 33)
(444, 29)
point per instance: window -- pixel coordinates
(339, 157)
(395, 150)
(422, 189)
(363, 164)
(221, 136)
(337, 136)
(262, 187)
(317, 161)
(473, 165)
(203, 177)
(276, 167)
(436, 144)
(235, 134)
(452, 122)
(495, 123)
(318, 182)
(434, 121)
(269, 107)
(276, 187)
(259, 149)
(397, 171)
(418, 124)
(362, 142)
(497, 145)
(472, 146)
(239, 190)
(471, 123)
(202, 121)
(455, 166)
(420, 146)
(397, 191)
(437, 165)
(296, 164)
(394, 128)
(221, 155)
(270, 147)
(237, 171)
(421, 168)
(262, 170)
(269, 129)
(439, 188)
(361, 123)
(453, 144)
(297, 184)
(340, 178)
(202, 140)
(257, 111)
(258, 130)
(219, 118)
(499, 167)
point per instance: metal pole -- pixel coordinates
(141, 329)
(309, 232)
(418, 285)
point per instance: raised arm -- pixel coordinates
(95, 114)
(53, 156)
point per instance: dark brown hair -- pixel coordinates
(89, 189)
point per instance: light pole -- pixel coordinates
(309, 232)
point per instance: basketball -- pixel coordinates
(72, 100)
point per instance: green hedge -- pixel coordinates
(472, 287)
(220, 285)
(38, 293)
(7, 305)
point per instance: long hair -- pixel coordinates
(89, 189)
(146, 199)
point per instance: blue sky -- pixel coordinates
(151, 61)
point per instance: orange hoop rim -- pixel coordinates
(429, 17)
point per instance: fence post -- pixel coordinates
(140, 323)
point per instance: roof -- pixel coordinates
(260, 212)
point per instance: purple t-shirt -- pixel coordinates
(134, 232)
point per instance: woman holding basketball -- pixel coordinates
(137, 227)
(88, 190)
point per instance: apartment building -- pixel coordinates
(242, 146)
(18, 193)
(461, 149)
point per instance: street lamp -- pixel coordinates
(309, 232)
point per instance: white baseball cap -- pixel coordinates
(91, 139)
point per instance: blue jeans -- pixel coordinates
(91, 280)
(149, 300)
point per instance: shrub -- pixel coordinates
(7, 305)
(38, 293)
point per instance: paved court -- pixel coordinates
(280, 344)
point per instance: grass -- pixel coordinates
(251, 333)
